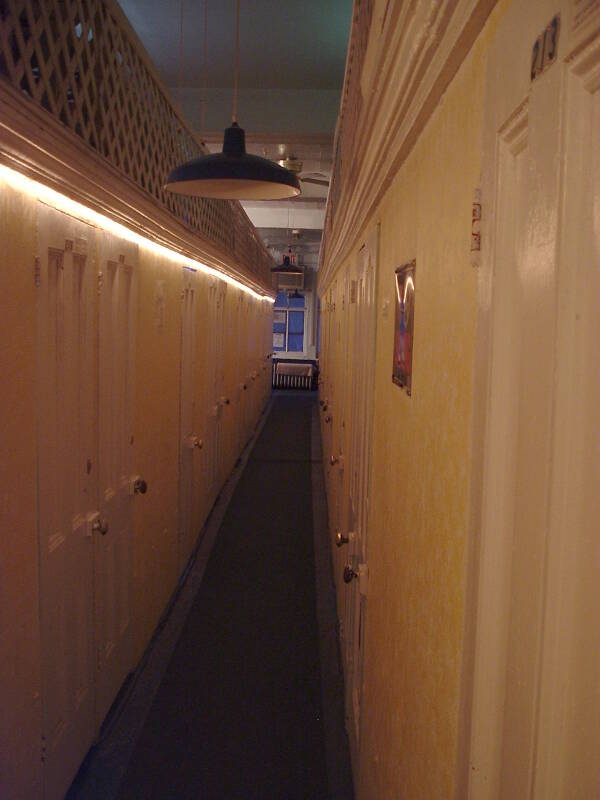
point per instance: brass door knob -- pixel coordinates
(333, 460)
(140, 486)
(340, 539)
(349, 574)
(100, 526)
(328, 418)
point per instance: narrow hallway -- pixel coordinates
(239, 712)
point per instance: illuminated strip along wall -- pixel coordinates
(81, 212)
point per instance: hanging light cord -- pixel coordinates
(180, 65)
(237, 61)
(204, 70)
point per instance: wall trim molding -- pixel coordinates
(39, 146)
(419, 51)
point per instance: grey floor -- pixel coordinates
(240, 694)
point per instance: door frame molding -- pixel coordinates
(484, 607)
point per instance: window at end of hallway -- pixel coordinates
(288, 323)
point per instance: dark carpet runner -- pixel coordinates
(238, 714)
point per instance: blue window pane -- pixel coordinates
(296, 302)
(279, 327)
(281, 300)
(296, 322)
(295, 343)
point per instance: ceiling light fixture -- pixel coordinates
(286, 267)
(234, 174)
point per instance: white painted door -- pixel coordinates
(214, 379)
(536, 701)
(359, 477)
(244, 347)
(113, 549)
(336, 458)
(209, 378)
(190, 442)
(219, 386)
(67, 486)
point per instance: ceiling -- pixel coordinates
(292, 59)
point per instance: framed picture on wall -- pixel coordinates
(404, 325)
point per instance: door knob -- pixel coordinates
(340, 539)
(328, 418)
(349, 574)
(333, 460)
(140, 486)
(100, 526)
(195, 442)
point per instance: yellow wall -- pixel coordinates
(20, 713)
(421, 456)
(157, 562)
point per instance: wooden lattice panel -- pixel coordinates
(81, 63)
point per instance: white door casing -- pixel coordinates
(568, 723)
(535, 725)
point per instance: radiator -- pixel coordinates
(292, 376)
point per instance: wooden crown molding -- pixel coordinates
(80, 71)
(39, 146)
(411, 60)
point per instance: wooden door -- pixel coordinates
(190, 442)
(67, 490)
(113, 571)
(536, 707)
(359, 479)
(209, 380)
(243, 345)
(336, 456)
(220, 449)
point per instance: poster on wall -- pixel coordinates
(403, 325)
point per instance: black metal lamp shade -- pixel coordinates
(233, 174)
(285, 268)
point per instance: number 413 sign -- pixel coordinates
(545, 48)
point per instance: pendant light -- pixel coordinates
(234, 174)
(286, 267)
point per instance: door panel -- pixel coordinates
(357, 482)
(113, 550)
(67, 481)
(538, 559)
(219, 388)
(569, 719)
(189, 438)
